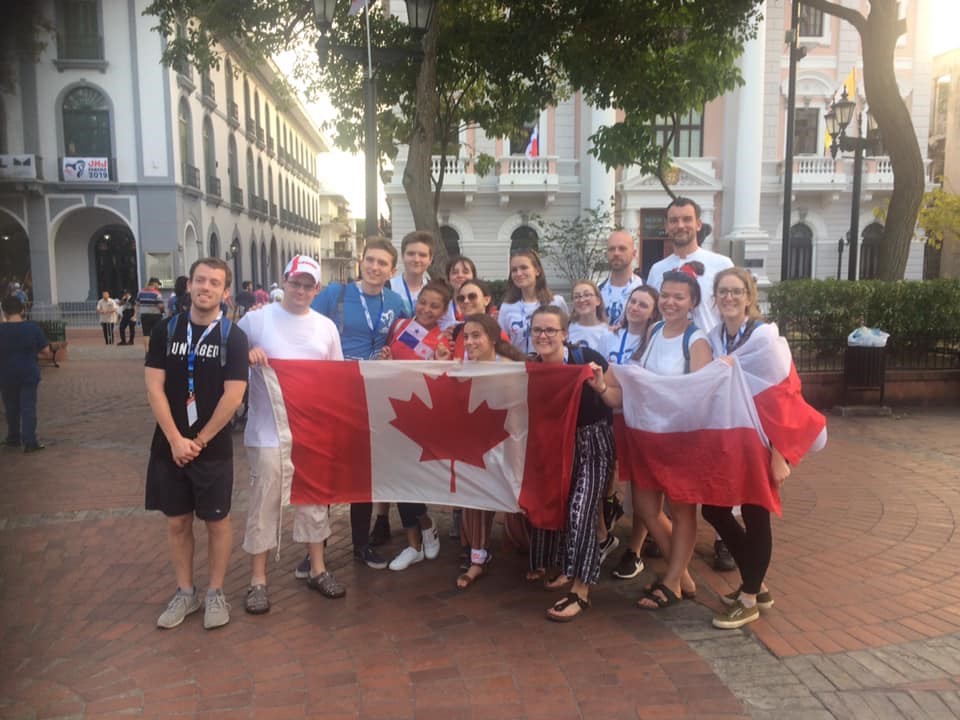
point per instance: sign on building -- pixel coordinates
(86, 169)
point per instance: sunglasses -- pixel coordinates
(471, 297)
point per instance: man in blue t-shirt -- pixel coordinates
(364, 312)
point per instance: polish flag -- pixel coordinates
(791, 425)
(492, 436)
(697, 437)
(533, 145)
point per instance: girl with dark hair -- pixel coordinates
(576, 549)
(588, 321)
(674, 347)
(179, 301)
(473, 299)
(526, 291)
(459, 270)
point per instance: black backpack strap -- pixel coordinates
(171, 331)
(687, 334)
(225, 326)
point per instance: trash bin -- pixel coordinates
(864, 369)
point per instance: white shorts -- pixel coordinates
(311, 523)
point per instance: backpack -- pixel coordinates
(687, 334)
(225, 326)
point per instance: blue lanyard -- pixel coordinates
(739, 338)
(623, 344)
(374, 328)
(406, 289)
(192, 349)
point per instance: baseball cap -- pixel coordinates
(303, 264)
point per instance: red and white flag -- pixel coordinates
(792, 426)
(533, 145)
(493, 436)
(698, 436)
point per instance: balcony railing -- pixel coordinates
(191, 175)
(814, 169)
(518, 173)
(236, 196)
(79, 46)
(257, 204)
(213, 186)
(260, 137)
(270, 144)
(208, 89)
(233, 113)
(251, 130)
(273, 211)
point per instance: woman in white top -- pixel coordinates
(674, 347)
(526, 291)
(588, 321)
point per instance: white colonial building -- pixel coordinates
(729, 158)
(115, 168)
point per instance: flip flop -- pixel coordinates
(669, 598)
(469, 580)
(552, 584)
(562, 604)
(685, 594)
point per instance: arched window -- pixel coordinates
(86, 123)
(259, 177)
(253, 262)
(800, 262)
(232, 170)
(228, 81)
(210, 158)
(270, 184)
(256, 107)
(451, 240)
(185, 136)
(251, 174)
(214, 245)
(524, 238)
(870, 251)
(280, 190)
(266, 120)
(264, 270)
(246, 99)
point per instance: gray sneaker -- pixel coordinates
(178, 608)
(217, 613)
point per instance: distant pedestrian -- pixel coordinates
(276, 293)
(128, 317)
(260, 296)
(149, 307)
(196, 375)
(179, 300)
(20, 342)
(244, 299)
(108, 312)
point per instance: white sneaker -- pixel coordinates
(178, 608)
(431, 542)
(608, 546)
(407, 557)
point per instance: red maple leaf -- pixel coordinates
(448, 431)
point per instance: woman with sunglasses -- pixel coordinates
(575, 550)
(483, 342)
(526, 291)
(473, 298)
(588, 321)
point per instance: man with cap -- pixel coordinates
(285, 330)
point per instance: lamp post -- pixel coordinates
(837, 119)
(418, 16)
(797, 54)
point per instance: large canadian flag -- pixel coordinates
(493, 436)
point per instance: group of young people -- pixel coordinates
(195, 385)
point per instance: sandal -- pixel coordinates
(326, 585)
(257, 602)
(466, 579)
(685, 594)
(555, 584)
(571, 598)
(669, 598)
(537, 575)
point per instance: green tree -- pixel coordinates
(577, 247)
(23, 36)
(496, 64)
(879, 30)
(939, 215)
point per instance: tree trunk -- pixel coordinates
(417, 172)
(879, 40)
(879, 32)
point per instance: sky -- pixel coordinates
(944, 24)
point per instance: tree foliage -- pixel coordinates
(939, 215)
(879, 31)
(577, 248)
(24, 34)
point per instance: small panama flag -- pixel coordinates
(357, 6)
(533, 145)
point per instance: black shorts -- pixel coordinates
(204, 487)
(148, 321)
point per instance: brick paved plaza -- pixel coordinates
(865, 576)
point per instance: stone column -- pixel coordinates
(602, 183)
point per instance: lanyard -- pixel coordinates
(406, 289)
(736, 341)
(192, 350)
(366, 311)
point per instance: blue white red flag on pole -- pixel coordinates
(357, 6)
(533, 145)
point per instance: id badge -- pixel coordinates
(191, 410)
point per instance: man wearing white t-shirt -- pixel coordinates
(615, 290)
(287, 330)
(683, 228)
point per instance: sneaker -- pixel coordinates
(736, 616)
(217, 612)
(454, 531)
(380, 535)
(650, 548)
(608, 546)
(370, 557)
(407, 557)
(612, 511)
(722, 559)
(302, 571)
(178, 608)
(629, 566)
(34, 448)
(764, 599)
(431, 542)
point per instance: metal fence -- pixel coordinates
(74, 314)
(904, 353)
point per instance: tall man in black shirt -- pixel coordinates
(196, 374)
